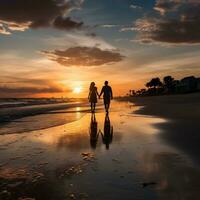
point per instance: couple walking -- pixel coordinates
(107, 96)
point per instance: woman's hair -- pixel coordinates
(92, 85)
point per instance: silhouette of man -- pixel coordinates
(107, 95)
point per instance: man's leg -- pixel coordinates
(104, 101)
(108, 105)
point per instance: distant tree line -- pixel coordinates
(168, 85)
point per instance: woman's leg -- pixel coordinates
(91, 105)
(94, 106)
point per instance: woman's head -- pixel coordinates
(92, 85)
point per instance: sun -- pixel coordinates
(77, 90)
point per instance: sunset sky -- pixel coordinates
(54, 48)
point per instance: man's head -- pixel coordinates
(106, 83)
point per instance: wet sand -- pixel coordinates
(183, 114)
(122, 156)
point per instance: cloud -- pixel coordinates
(11, 86)
(108, 25)
(77, 39)
(164, 6)
(128, 28)
(84, 56)
(132, 6)
(66, 23)
(15, 90)
(33, 82)
(29, 90)
(91, 34)
(20, 15)
(177, 23)
(4, 31)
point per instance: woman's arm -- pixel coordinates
(97, 92)
(89, 94)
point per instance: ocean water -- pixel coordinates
(13, 102)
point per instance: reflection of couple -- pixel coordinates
(107, 96)
(107, 135)
(94, 134)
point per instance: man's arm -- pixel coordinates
(101, 92)
(111, 93)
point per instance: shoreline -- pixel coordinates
(23, 102)
(39, 117)
(10, 114)
(168, 106)
(182, 113)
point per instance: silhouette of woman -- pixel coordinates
(94, 134)
(107, 137)
(93, 93)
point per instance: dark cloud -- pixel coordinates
(19, 15)
(178, 23)
(29, 90)
(84, 56)
(20, 87)
(16, 80)
(66, 23)
(164, 6)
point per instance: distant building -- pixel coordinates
(198, 84)
(178, 86)
(189, 84)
